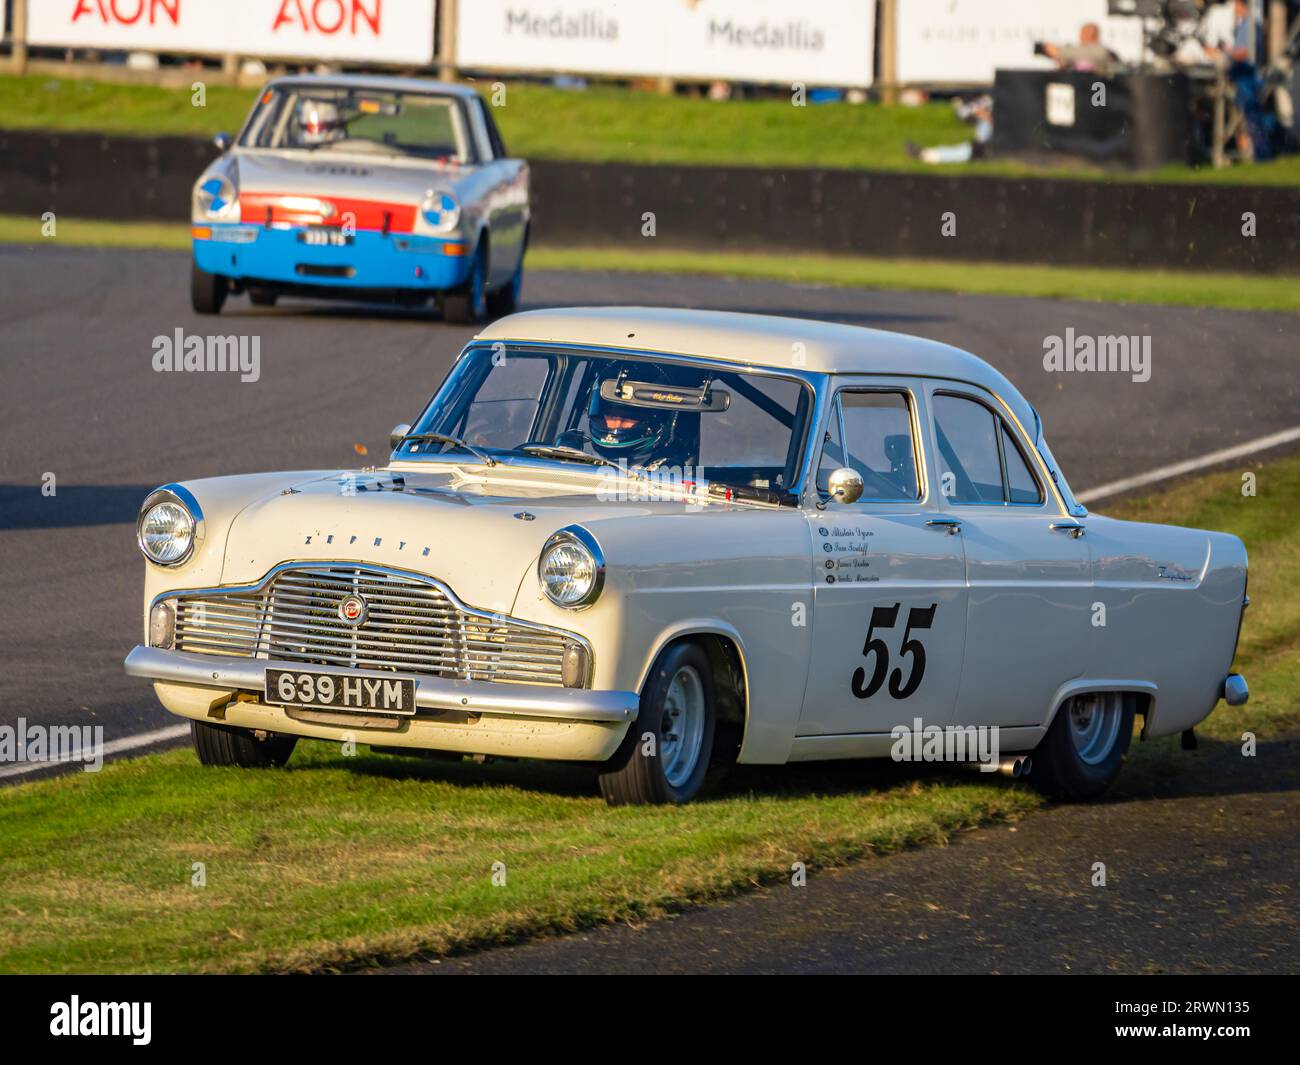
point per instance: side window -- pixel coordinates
(1022, 487)
(967, 434)
(477, 125)
(494, 134)
(876, 441)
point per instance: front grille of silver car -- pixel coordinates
(413, 625)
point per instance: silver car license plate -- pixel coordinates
(324, 238)
(340, 691)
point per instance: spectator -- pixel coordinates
(1243, 57)
(1089, 55)
(979, 113)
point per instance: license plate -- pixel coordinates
(338, 691)
(324, 238)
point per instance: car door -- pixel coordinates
(1027, 563)
(889, 595)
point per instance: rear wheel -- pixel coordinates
(262, 297)
(665, 756)
(1085, 746)
(466, 305)
(228, 745)
(207, 291)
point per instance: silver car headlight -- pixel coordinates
(169, 526)
(440, 211)
(571, 568)
(216, 199)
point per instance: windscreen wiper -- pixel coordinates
(454, 440)
(569, 454)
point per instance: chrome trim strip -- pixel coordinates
(431, 693)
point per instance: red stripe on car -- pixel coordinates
(288, 208)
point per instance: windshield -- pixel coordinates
(733, 429)
(341, 119)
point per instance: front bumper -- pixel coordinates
(431, 693)
(252, 253)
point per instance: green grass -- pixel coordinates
(604, 124)
(336, 861)
(1257, 292)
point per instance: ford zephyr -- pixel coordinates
(663, 541)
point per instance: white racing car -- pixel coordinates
(661, 541)
(364, 188)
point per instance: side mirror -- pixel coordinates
(844, 485)
(222, 142)
(397, 435)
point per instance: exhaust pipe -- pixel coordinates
(1014, 766)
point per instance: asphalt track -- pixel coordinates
(81, 401)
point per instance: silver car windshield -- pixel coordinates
(358, 121)
(742, 430)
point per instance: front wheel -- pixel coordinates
(207, 291)
(505, 300)
(1085, 747)
(228, 745)
(466, 305)
(665, 756)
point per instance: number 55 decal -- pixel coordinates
(886, 617)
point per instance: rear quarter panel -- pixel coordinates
(1173, 600)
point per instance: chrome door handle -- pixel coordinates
(1074, 528)
(952, 525)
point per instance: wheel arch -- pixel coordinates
(726, 652)
(1144, 691)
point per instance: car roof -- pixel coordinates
(760, 340)
(376, 82)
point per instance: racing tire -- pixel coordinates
(505, 300)
(665, 756)
(262, 297)
(207, 291)
(1085, 746)
(227, 745)
(467, 304)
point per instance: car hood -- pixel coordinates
(335, 174)
(481, 537)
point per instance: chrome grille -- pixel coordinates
(413, 625)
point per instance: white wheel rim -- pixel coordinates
(681, 728)
(1095, 722)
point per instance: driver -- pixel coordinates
(319, 122)
(642, 436)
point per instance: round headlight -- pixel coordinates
(169, 526)
(216, 198)
(571, 568)
(440, 211)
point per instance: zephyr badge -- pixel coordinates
(353, 609)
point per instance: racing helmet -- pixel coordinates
(319, 121)
(620, 431)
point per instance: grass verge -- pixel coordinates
(340, 860)
(605, 124)
(1254, 292)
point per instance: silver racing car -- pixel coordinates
(365, 188)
